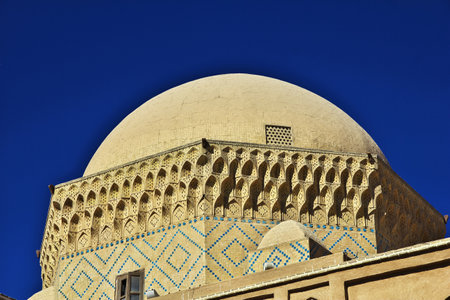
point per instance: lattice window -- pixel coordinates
(278, 135)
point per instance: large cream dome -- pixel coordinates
(230, 107)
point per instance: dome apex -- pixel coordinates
(230, 107)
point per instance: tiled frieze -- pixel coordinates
(355, 242)
(189, 254)
(228, 244)
(177, 257)
(173, 258)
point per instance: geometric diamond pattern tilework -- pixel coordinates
(78, 282)
(177, 257)
(192, 253)
(280, 255)
(228, 246)
(355, 242)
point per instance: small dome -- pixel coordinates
(230, 107)
(284, 232)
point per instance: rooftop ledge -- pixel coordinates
(308, 269)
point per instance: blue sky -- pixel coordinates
(71, 70)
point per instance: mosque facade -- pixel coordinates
(241, 186)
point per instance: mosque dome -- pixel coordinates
(230, 107)
(286, 180)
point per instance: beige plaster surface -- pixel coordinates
(230, 107)
(284, 232)
(322, 293)
(49, 293)
(432, 284)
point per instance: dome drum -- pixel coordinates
(265, 184)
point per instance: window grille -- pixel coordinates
(278, 135)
